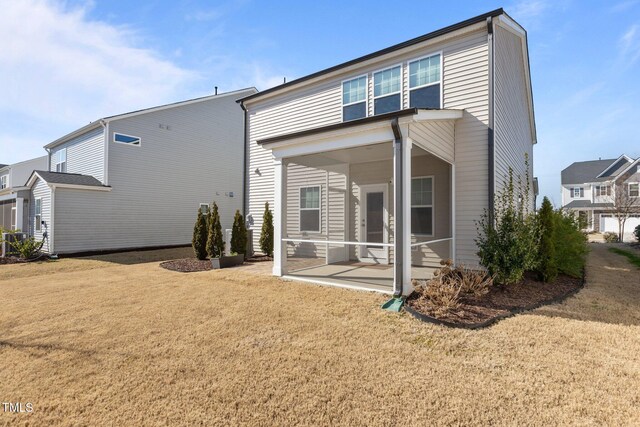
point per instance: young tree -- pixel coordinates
(199, 241)
(266, 234)
(624, 205)
(215, 240)
(238, 235)
(547, 269)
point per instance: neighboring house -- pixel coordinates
(14, 197)
(378, 168)
(136, 180)
(588, 189)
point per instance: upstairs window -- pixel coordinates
(60, 160)
(38, 214)
(577, 192)
(425, 80)
(310, 209)
(354, 99)
(603, 190)
(422, 206)
(204, 208)
(387, 90)
(634, 189)
(4, 182)
(126, 139)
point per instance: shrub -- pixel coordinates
(547, 269)
(238, 235)
(199, 241)
(508, 239)
(215, 241)
(611, 237)
(570, 244)
(636, 233)
(441, 294)
(27, 248)
(266, 234)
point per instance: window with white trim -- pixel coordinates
(4, 181)
(310, 209)
(60, 160)
(603, 190)
(425, 82)
(121, 138)
(38, 214)
(577, 192)
(204, 208)
(634, 189)
(422, 205)
(387, 87)
(354, 98)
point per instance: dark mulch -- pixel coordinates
(500, 302)
(11, 260)
(187, 265)
(259, 258)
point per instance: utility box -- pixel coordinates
(227, 242)
(7, 240)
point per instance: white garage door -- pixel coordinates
(610, 223)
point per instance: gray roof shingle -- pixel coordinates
(69, 178)
(586, 204)
(581, 172)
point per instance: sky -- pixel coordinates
(64, 64)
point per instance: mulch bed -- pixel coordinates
(11, 260)
(190, 265)
(499, 303)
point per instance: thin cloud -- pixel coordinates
(60, 69)
(527, 10)
(624, 5)
(629, 44)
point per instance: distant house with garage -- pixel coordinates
(378, 168)
(14, 196)
(588, 189)
(136, 180)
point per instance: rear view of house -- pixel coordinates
(14, 196)
(136, 180)
(378, 168)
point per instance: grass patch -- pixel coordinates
(633, 258)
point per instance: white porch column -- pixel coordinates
(453, 213)
(406, 223)
(20, 214)
(279, 217)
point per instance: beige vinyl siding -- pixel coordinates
(435, 136)
(41, 189)
(465, 86)
(85, 154)
(512, 124)
(157, 187)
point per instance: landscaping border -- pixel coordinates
(480, 325)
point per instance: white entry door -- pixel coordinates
(374, 223)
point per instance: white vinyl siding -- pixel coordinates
(40, 190)
(513, 137)
(464, 86)
(157, 187)
(84, 154)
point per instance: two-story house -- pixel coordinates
(589, 189)
(378, 168)
(14, 197)
(136, 180)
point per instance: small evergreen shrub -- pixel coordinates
(611, 237)
(636, 233)
(266, 234)
(215, 240)
(238, 235)
(547, 269)
(199, 241)
(508, 240)
(570, 244)
(27, 248)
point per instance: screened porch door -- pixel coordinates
(374, 218)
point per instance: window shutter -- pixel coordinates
(572, 193)
(581, 192)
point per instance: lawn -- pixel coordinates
(116, 340)
(633, 258)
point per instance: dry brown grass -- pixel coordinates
(102, 343)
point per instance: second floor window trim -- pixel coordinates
(603, 190)
(383, 89)
(432, 76)
(577, 192)
(4, 182)
(61, 160)
(634, 189)
(350, 100)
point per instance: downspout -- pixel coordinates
(490, 132)
(398, 208)
(244, 161)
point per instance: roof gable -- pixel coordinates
(581, 172)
